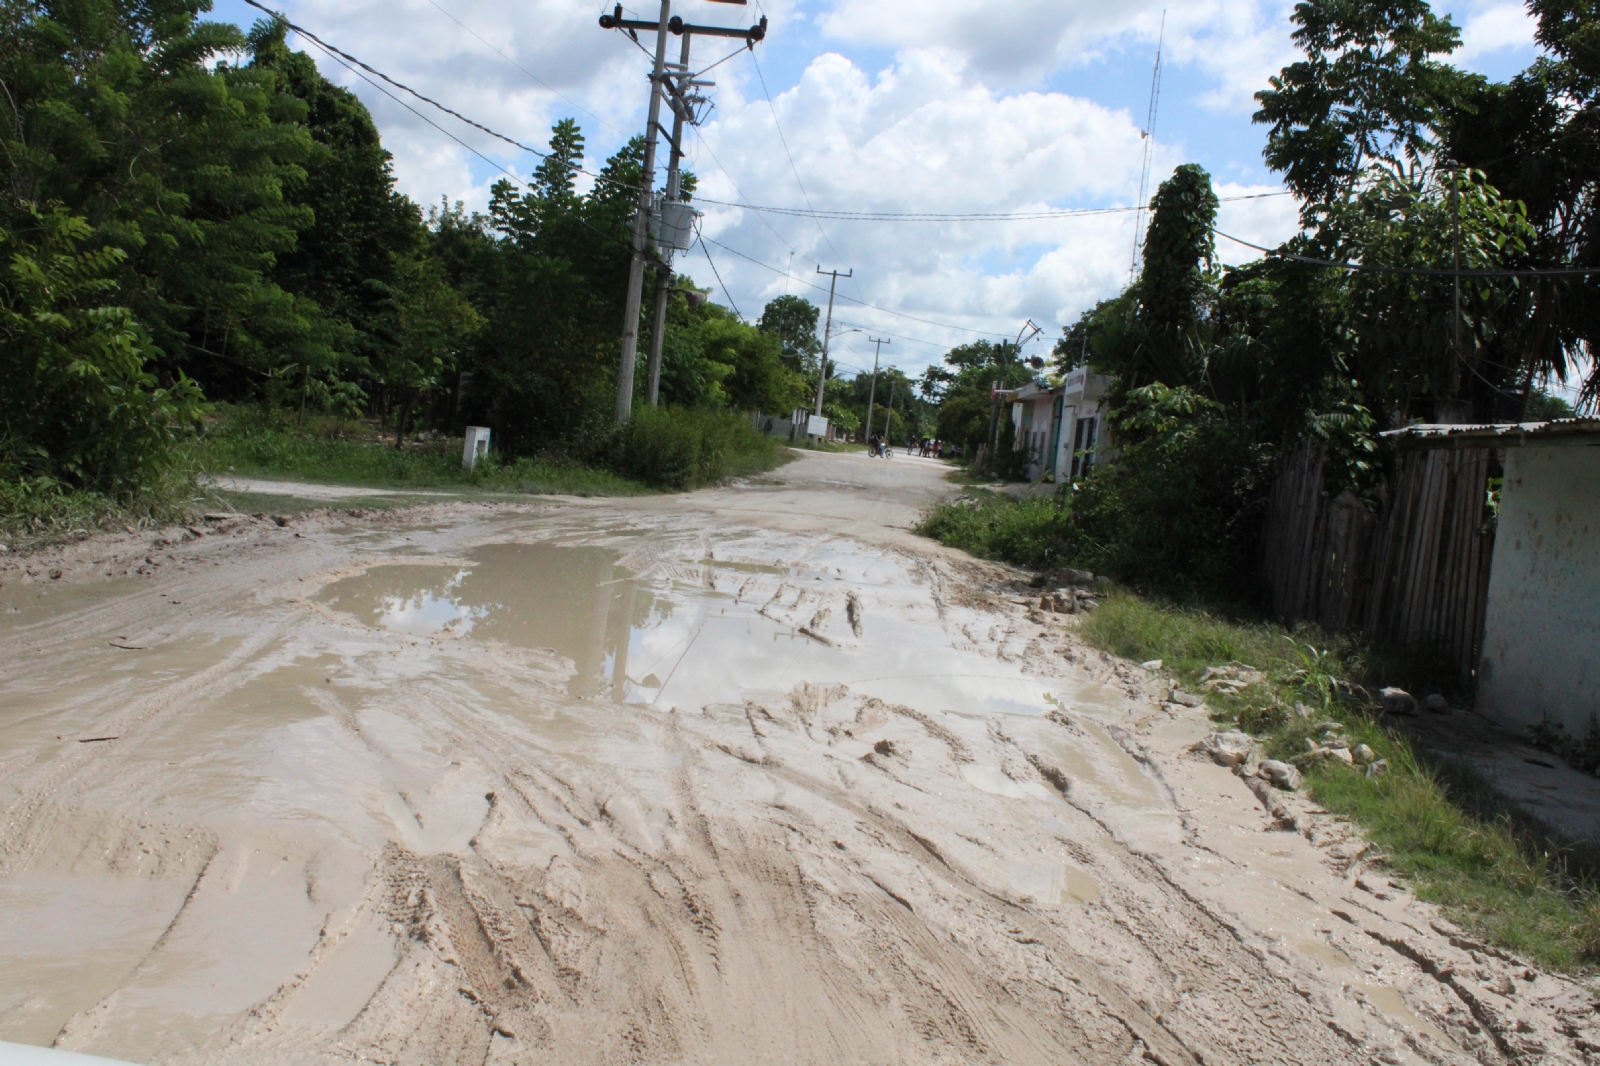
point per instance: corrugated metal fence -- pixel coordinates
(1416, 575)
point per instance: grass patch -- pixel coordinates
(37, 511)
(657, 449)
(991, 526)
(1438, 826)
(338, 452)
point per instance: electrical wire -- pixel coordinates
(717, 273)
(785, 142)
(1430, 272)
(524, 69)
(602, 234)
(700, 140)
(966, 216)
(851, 299)
(346, 59)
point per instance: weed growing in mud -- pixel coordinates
(1437, 825)
(991, 526)
(40, 510)
(658, 449)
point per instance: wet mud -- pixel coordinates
(749, 776)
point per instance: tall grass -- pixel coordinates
(1027, 532)
(678, 448)
(41, 510)
(1438, 826)
(669, 449)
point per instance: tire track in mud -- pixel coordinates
(25, 823)
(631, 895)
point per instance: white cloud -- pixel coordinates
(1238, 42)
(418, 44)
(1494, 26)
(921, 137)
(930, 132)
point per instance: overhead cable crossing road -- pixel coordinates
(1427, 272)
(957, 216)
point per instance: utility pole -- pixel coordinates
(664, 271)
(1147, 135)
(641, 222)
(872, 391)
(888, 418)
(827, 330)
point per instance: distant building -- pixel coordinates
(1060, 425)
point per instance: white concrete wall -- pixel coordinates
(1541, 648)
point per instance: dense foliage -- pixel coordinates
(1400, 160)
(191, 213)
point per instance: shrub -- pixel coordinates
(682, 448)
(81, 407)
(1179, 510)
(1027, 532)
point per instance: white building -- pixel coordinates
(1060, 425)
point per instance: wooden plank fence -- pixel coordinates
(1414, 576)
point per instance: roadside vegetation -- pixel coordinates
(658, 449)
(1435, 826)
(219, 272)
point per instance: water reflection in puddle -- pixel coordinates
(672, 640)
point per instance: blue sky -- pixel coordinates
(940, 105)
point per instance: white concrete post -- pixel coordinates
(475, 446)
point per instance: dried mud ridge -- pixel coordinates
(816, 875)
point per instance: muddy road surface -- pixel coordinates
(752, 775)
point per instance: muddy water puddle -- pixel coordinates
(694, 632)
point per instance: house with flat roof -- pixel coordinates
(1060, 425)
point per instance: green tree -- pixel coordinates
(81, 405)
(348, 259)
(793, 320)
(431, 324)
(1367, 93)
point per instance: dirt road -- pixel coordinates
(749, 776)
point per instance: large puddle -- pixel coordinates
(689, 636)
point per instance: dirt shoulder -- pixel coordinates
(750, 774)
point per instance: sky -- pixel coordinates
(873, 105)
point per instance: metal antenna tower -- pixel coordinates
(1148, 135)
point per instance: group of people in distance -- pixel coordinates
(927, 448)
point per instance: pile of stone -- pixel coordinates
(1234, 749)
(1334, 745)
(1400, 702)
(1231, 679)
(1066, 591)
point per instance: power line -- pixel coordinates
(347, 60)
(602, 234)
(851, 299)
(701, 140)
(785, 142)
(1437, 272)
(524, 69)
(961, 216)
(718, 276)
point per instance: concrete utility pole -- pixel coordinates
(827, 330)
(888, 417)
(872, 391)
(664, 272)
(641, 223)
